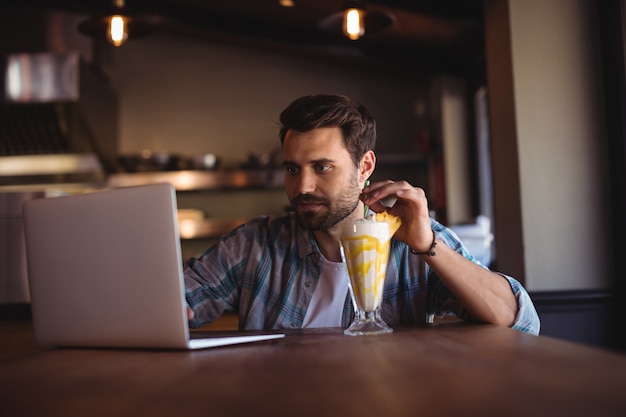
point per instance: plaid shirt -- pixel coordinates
(266, 271)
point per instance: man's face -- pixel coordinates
(321, 180)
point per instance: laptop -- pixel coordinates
(105, 270)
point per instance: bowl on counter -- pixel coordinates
(207, 161)
(148, 161)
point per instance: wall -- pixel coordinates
(455, 139)
(549, 147)
(562, 144)
(193, 96)
(558, 134)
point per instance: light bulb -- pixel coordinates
(353, 25)
(117, 31)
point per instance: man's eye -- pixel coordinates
(322, 168)
(291, 169)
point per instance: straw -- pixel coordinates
(367, 209)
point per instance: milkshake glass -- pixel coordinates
(365, 251)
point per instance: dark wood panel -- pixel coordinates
(612, 15)
(581, 316)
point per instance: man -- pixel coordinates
(286, 271)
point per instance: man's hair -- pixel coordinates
(325, 110)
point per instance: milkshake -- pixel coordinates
(365, 249)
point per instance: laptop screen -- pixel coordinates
(105, 268)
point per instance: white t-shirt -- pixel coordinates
(326, 307)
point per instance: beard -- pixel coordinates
(338, 210)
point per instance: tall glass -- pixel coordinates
(365, 250)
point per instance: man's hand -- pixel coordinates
(411, 206)
(486, 295)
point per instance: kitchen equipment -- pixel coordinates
(13, 271)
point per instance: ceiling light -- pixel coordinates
(117, 30)
(116, 26)
(353, 23)
(354, 20)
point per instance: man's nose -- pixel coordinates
(306, 183)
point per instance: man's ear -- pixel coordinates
(367, 165)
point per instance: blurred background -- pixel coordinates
(497, 108)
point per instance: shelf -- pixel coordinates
(190, 180)
(206, 228)
(50, 164)
(48, 170)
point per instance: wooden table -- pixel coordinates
(440, 370)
